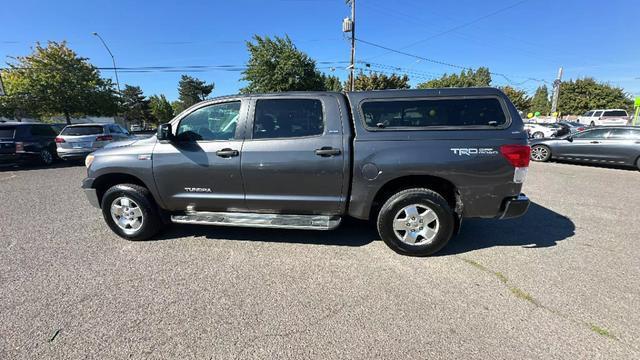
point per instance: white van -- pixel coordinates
(605, 117)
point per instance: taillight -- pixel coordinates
(19, 146)
(517, 155)
(104, 138)
(581, 129)
(59, 140)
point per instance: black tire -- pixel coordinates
(46, 156)
(424, 198)
(544, 157)
(151, 222)
(538, 135)
(638, 163)
(593, 124)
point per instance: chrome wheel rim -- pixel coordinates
(127, 215)
(538, 135)
(539, 153)
(416, 224)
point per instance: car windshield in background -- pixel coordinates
(82, 130)
(433, 112)
(7, 132)
(615, 113)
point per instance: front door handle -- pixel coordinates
(595, 142)
(226, 153)
(327, 151)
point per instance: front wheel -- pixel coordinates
(538, 135)
(130, 212)
(592, 124)
(416, 222)
(540, 153)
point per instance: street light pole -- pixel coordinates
(113, 59)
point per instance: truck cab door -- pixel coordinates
(295, 160)
(200, 166)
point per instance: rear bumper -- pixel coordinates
(90, 192)
(514, 207)
(69, 154)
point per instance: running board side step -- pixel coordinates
(282, 221)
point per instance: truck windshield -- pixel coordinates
(433, 112)
(81, 130)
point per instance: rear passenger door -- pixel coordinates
(588, 145)
(294, 160)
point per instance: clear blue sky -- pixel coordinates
(530, 39)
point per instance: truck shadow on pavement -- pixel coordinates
(538, 228)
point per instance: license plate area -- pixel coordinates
(81, 145)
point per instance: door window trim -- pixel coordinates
(252, 118)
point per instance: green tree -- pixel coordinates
(376, 81)
(135, 105)
(55, 80)
(467, 78)
(518, 97)
(331, 83)
(191, 90)
(540, 101)
(177, 106)
(161, 109)
(580, 95)
(277, 65)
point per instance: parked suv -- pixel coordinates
(76, 141)
(413, 161)
(607, 117)
(22, 142)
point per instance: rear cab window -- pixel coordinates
(288, 118)
(82, 130)
(434, 113)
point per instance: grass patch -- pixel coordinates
(504, 280)
(601, 331)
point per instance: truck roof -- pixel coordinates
(472, 91)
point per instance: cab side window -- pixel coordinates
(592, 134)
(288, 118)
(210, 123)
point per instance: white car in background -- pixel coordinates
(605, 117)
(540, 131)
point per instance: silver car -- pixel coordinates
(75, 142)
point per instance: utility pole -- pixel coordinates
(349, 25)
(556, 92)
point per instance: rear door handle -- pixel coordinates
(595, 142)
(226, 153)
(327, 151)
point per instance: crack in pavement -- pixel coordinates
(519, 293)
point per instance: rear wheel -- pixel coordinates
(638, 163)
(46, 156)
(130, 212)
(540, 153)
(416, 222)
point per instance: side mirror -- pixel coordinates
(570, 138)
(164, 132)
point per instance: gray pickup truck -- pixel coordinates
(415, 162)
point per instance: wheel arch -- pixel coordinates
(103, 182)
(442, 186)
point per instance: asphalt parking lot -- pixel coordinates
(561, 282)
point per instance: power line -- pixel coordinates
(457, 27)
(439, 62)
